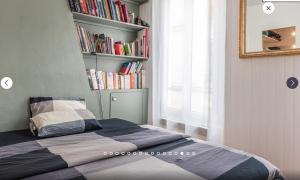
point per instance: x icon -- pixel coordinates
(268, 8)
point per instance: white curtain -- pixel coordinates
(188, 65)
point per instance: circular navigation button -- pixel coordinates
(268, 8)
(6, 83)
(292, 83)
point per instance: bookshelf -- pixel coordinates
(119, 57)
(137, 1)
(84, 18)
(129, 104)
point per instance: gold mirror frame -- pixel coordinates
(242, 39)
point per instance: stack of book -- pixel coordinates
(100, 43)
(86, 40)
(110, 9)
(116, 81)
(130, 68)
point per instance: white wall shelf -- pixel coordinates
(121, 57)
(107, 22)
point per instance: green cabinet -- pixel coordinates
(129, 105)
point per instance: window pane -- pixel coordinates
(200, 56)
(199, 101)
(177, 16)
(176, 59)
(175, 99)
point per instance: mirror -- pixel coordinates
(272, 34)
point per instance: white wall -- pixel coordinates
(262, 114)
(285, 15)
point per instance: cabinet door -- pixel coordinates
(127, 106)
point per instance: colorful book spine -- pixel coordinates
(89, 8)
(120, 10)
(94, 3)
(125, 12)
(117, 12)
(100, 9)
(112, 9)
(84, 6)
(72, 5)
(127, 81)
(144, 83)
(104, 9)
(132, 81)
(135, 81)
(80, 38)
(94, 79)
(110, 80)
(108, 9)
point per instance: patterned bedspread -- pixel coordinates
(123, 150)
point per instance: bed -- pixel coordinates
(124, 150)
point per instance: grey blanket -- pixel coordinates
(128, 151)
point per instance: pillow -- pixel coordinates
(49, 104)
(60, 123)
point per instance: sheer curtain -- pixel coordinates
(188, 64)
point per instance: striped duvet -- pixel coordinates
(123, 150)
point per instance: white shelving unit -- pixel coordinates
(120, 57)
(107, 22)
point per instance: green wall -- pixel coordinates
(40, 52)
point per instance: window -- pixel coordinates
(186, 69)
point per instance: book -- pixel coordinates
(110, 80)
(135, 80)
(99, 43)
(80, 38)
(125, 13)
(114, 81)
(144, 83)
(92, 75)
(132, 68)
(143, 40)
(72, 5)
(93, 8)
(139, 68)
(104, 9)
(117, 12)
(100, 8)
(89, 8)
(104, 80)
(120, 10)
(84, 6)
(85, 40)
(140, 85)
(122, 82)
(123, 69)
(100, 80)
(108, 9)
(117, 81)
(132, 79)
(112, 9)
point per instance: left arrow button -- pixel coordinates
(6, 83)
